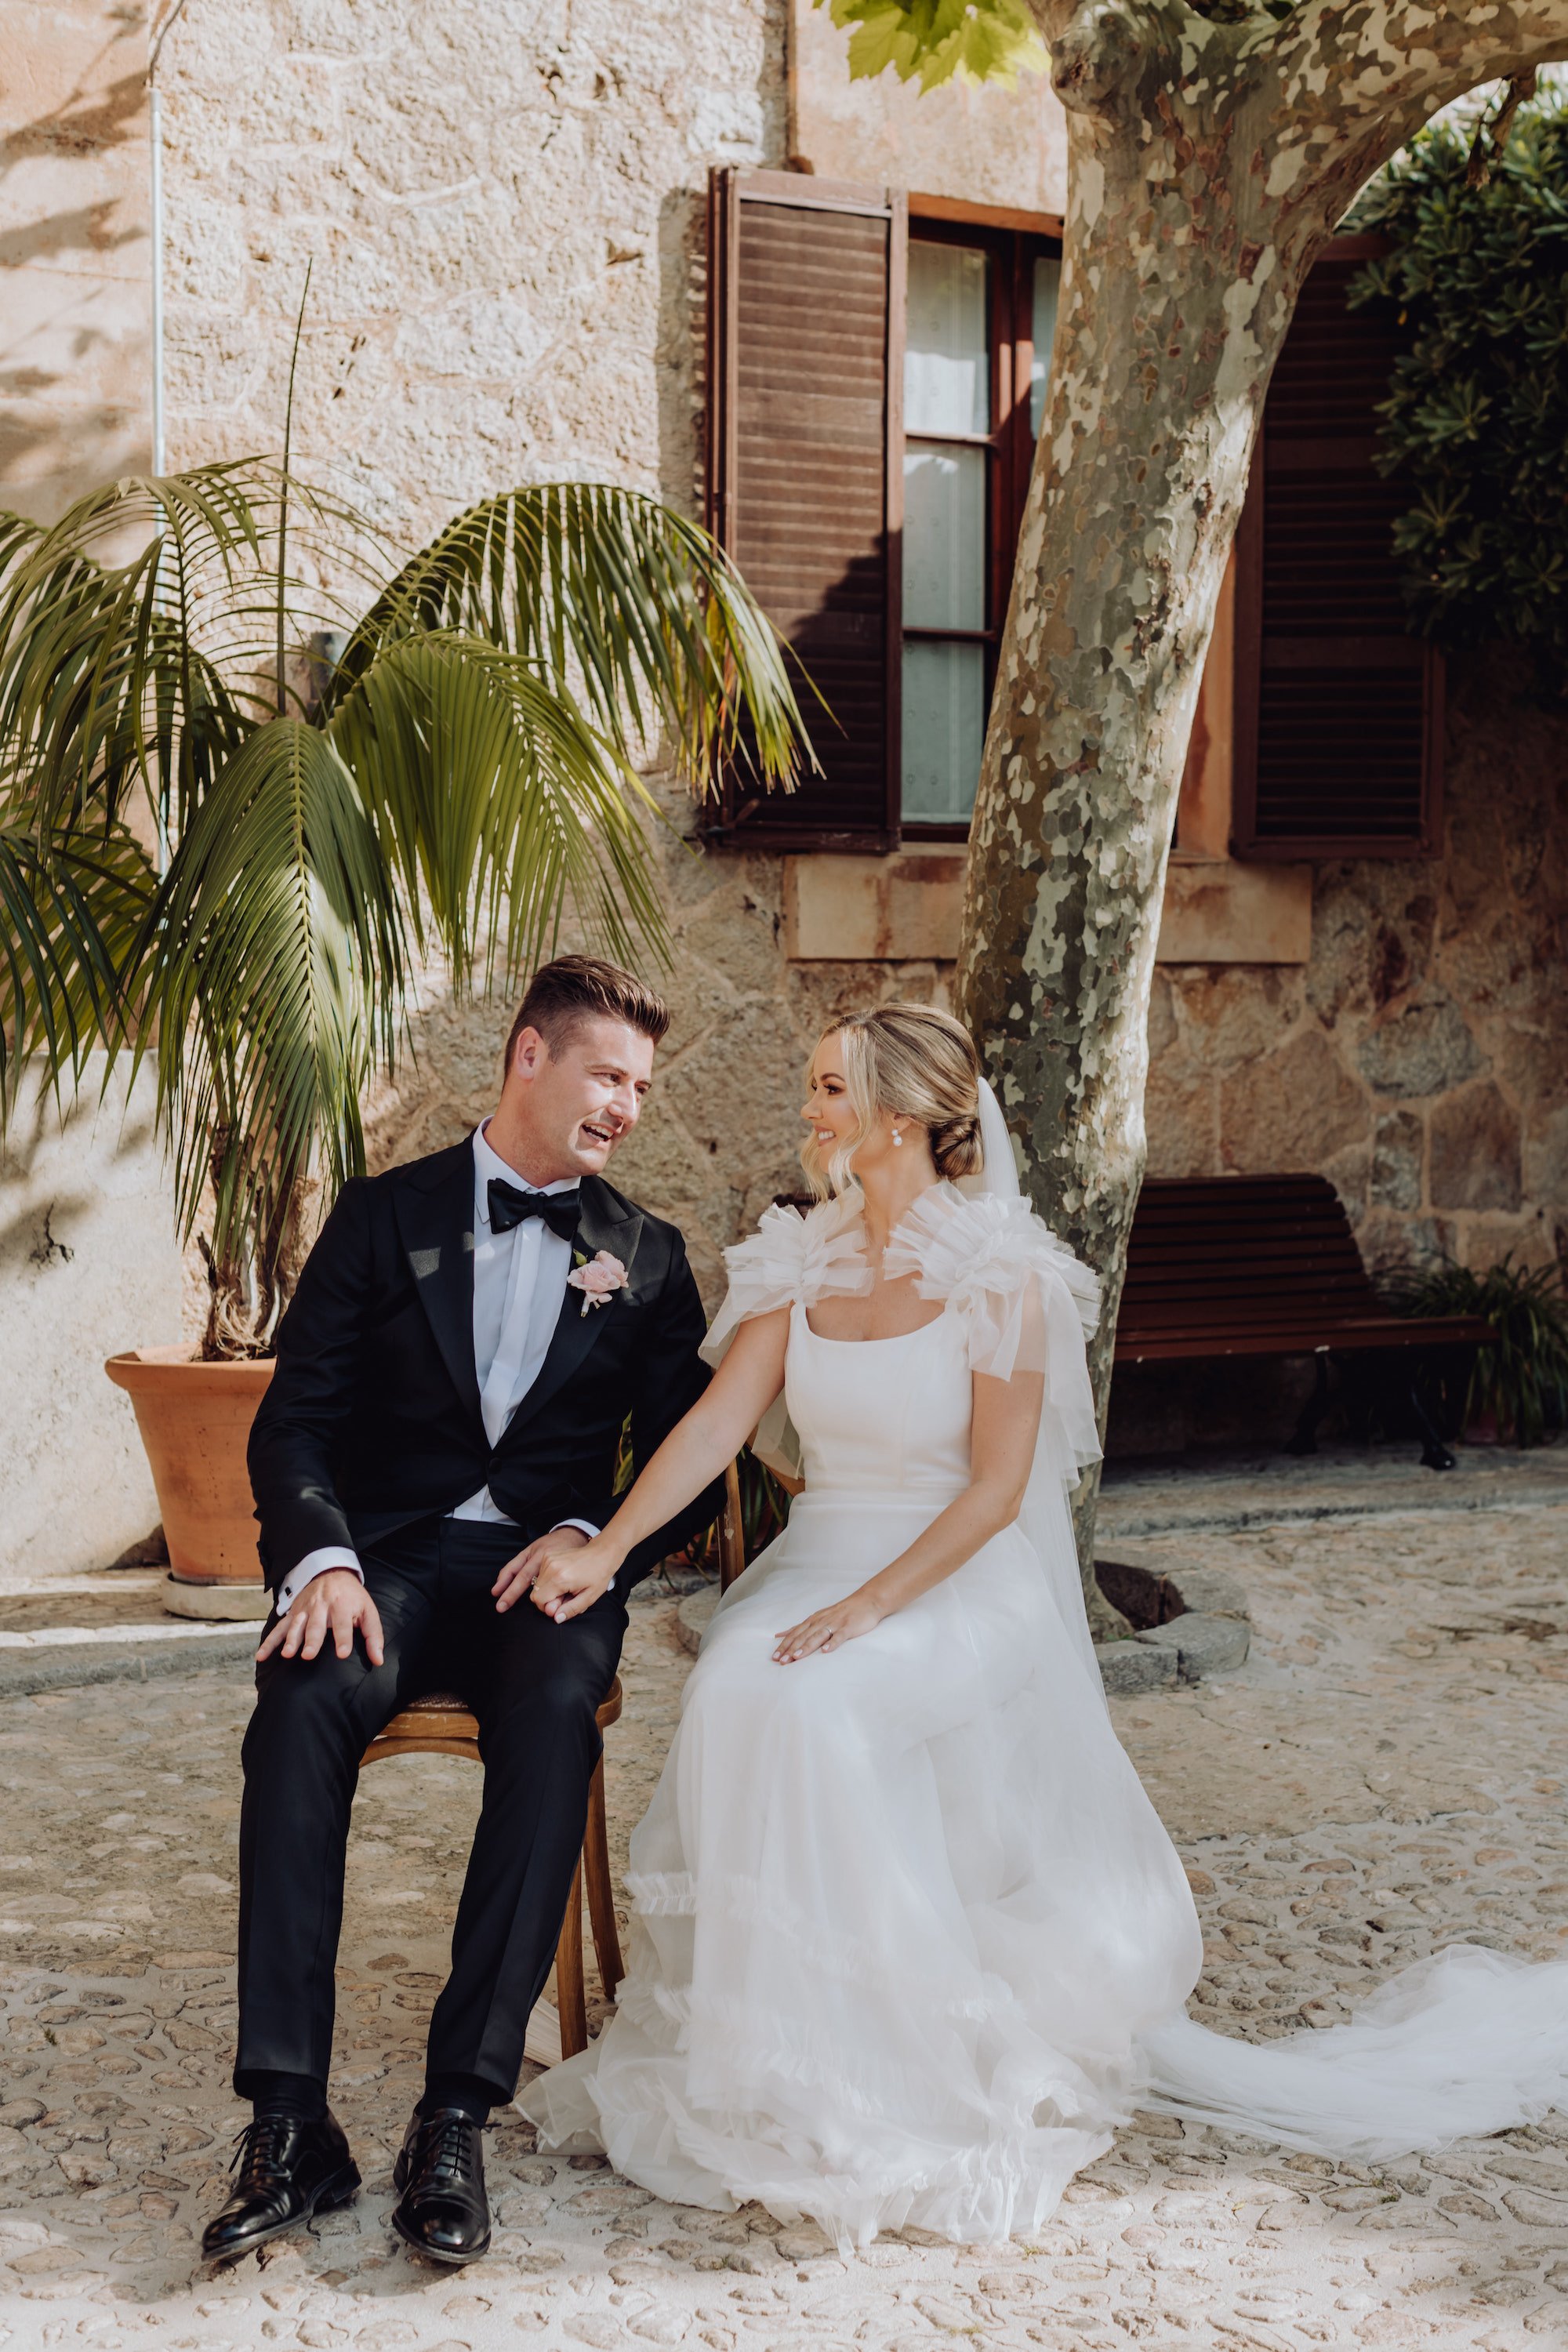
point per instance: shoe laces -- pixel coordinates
(258, 2150)
(448, 2148)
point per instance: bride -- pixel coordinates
(910, 1941)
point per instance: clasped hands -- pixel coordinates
(563, 1572)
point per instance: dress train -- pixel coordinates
(910, 1941)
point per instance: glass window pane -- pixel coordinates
(944, 536)
(947, 365)
(943, 730)
(1047, 284)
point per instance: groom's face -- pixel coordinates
(578, 1099)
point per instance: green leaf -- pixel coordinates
(274, 962)
(1476, 423)
(136, 635)
(612, 599)
(497, 805)
(937, 41)
(464, 778)
(1521, 1377)
(69, 910)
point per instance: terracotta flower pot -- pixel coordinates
(194, 1421)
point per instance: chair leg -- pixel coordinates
(601, 1893)
(571, 2001)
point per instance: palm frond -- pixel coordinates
(276, 958)
(613, 597)
(70, 909)
(137, 635)
(498, 805)
(468, 777)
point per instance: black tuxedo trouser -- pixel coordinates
(535, 1688)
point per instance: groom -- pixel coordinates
(469, 1337)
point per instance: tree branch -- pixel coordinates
(1054, 16)
(1111, 57)
(1362, 64)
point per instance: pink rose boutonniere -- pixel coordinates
(598, 1279)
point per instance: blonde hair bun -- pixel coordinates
(910, 1061)
(955, 1147)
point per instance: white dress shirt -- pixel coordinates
(520, 1285)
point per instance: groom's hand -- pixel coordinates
(564, 1571)
(521, 1576)
(334, 1602)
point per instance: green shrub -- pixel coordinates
(1477, 420)
(1522, 1380)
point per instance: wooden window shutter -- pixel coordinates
(1338, 709)
(805, 309)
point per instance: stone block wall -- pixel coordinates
(498, 206)
(1420, 1059)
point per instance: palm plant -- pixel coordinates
(239, 808)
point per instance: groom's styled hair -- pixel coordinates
(582, 988)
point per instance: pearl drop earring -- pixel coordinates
(898, 1135)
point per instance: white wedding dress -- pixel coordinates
(910, 1941)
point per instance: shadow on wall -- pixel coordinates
(74, 356)
(89, 1264)
(682, 293)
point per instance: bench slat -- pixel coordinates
(1256, 1266)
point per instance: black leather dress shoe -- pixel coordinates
(442, 2209)
(287, 2170)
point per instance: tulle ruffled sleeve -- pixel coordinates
(790, 1258)
(1026, 1302)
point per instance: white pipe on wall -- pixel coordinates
(155, 140)
(156, 190)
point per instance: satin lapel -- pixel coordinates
(601, 1225)
(436, 1224)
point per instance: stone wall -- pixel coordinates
(87, 1261)
(75, 320)
(1420, 1059)
(498, 206)
(88, 1265)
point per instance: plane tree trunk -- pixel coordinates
(1209, 163)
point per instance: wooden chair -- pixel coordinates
(732, 1531)
(441, 1724)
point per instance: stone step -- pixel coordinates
(70, 1658)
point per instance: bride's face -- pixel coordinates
(830, 1113)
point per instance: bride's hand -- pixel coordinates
(827, 1629)
(565, 1571)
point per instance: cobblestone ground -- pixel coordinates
(1386, 1775)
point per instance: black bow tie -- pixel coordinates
(510, 1204)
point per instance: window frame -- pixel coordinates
(744, 821)
(1012, 242)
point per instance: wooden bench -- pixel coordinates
(440, 1724)
(1265, 1265)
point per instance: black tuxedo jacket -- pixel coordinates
(371, 1417)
